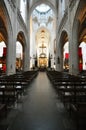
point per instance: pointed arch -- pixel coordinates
(43, 2)
(20, 57)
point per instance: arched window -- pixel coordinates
(23, 9)
(63, 7)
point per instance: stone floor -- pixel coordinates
(38, 109)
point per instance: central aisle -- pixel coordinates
(40, 109)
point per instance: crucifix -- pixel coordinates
(42, 47)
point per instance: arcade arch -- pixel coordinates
(64, 51)
(3, 46)
(20, 50)
(82, 40)
(3, 49)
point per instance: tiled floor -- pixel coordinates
(39, 109)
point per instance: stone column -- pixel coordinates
(59, 57)
(26, 56)
(27, 48)
(11, 45)
(73, 48)
(11, 54)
